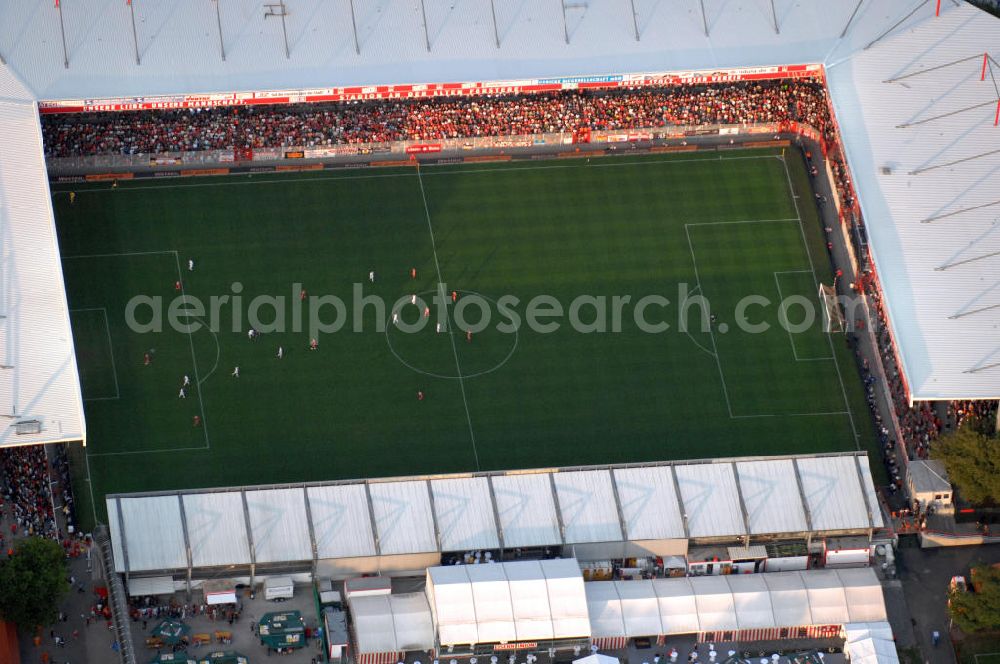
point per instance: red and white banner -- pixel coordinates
(422, 148)
(380, 657)
(416, 91)
(516, 645)
(610, 642)
(770, 634)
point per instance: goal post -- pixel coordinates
(833, 314)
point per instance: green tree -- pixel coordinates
(32, 582)
(973, 463)
(978, 611)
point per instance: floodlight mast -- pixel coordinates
(284, 31)
(135, 34)
(496, 31)
(427, 36)
(562, 5)
(218, 22)
(354, 26)
(62, 31)
(635, 20)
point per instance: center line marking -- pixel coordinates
(451, 332)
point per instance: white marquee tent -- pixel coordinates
(392, 623)
(870, 643)
(736, 602)
(517, 601)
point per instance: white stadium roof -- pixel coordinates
(550, 508)
(911, 166)
(40, 400)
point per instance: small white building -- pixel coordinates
(928, 484)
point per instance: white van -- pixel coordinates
(278, 588)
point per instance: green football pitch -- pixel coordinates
(722, 226)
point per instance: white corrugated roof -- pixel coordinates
(39, 381)
(936, 275)
(180, 52)
(217, 529)
(341, 521)
(279, 525)
(833, 491)
(588, 507)
(527, 510)
(464, 512)
(154, 536)
(649, 503)
(403, 517)
(711, 500)
(771, 495)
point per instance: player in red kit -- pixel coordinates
(413, 273)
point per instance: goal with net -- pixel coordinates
(833, 313)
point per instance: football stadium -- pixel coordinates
(312, 291)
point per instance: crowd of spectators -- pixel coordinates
(27, 498)
(328, 124)
(148, 610)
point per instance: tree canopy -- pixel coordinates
(32, 582)
(973, 463)
(978, 611)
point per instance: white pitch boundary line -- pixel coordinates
(90, 483)
(272, 178)
(451, 332)
(832, 412)
(122, 253)
(812, 266)
(715, 348)
(111, 350)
